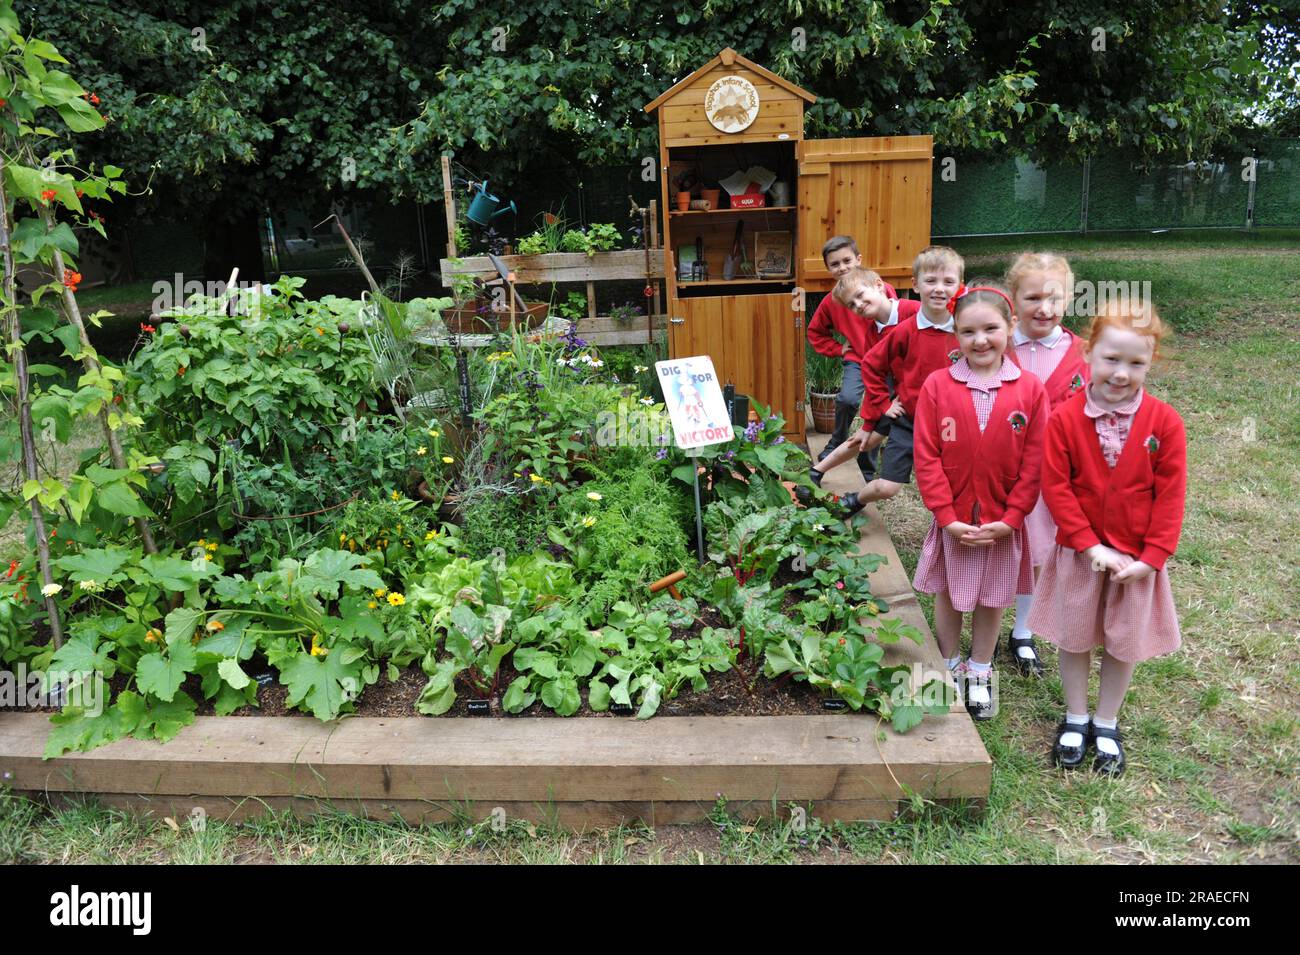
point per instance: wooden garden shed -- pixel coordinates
(737, 270)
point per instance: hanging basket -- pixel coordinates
(476, 317)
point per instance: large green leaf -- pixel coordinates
(162, 675)
(100, 564)
(31, 240)
(119, 498)
(325, 570)
(324, 683)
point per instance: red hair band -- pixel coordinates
(963, 291)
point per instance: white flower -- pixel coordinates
(50, 590)
(597, 364)
(647, 401)
(594, 495)
(819, 527)
(587, 359)
(90, 585)
(560, 361)
(639, 368)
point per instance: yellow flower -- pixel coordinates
(202, 542)
(431, 535)
(396, 599)
(352, 545)
(588, 522)
(594, 496)
(372, 605)
(421, 451)
(152, 636)
(316, 649)
(343, 538)
(215, 625)
(536, 478)
(380, 591)
(320, 331)
(433, 433)
(447, 459)
(207, 556)
(396, 495)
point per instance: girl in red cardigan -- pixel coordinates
(980, 426)
(1042, 285)
(1115, 476)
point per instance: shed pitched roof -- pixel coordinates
(728, 57)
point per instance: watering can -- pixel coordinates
(486, 206)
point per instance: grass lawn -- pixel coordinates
(1211, 730)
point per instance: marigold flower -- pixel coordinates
(396, 599)
(380, 591)
(431, 535)
(447, 459)
(372, 605)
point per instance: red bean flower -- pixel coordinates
(71, 279)
(147, 328)
(47, 195)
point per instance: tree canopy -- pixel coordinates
(243, 104)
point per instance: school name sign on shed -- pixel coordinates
(695, 405)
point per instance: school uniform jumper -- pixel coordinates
(978, 453)
(1057, 361)
(908, 355)
(862, 335)
(1117, 478)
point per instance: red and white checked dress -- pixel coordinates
(1079, 608)
(1039, 357)
(988, 576)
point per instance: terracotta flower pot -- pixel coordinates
(683, 201)
(711, 196)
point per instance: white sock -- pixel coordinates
(1107, 746)
(979, 692)
(953, 662)
(1074, 739)
(1020, 628)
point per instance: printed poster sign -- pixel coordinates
(695, 404)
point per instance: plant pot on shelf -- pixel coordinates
(711, 196)
(476, 317)
(823, 411)
(683, 201)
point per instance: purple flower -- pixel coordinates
(751, 432)
(661, 453)
(779, 438)
(730, 455)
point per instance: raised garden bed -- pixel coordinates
(582, 772)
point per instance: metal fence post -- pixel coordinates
(1083, 200)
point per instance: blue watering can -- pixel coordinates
(486, 206)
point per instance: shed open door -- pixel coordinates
(876, 190)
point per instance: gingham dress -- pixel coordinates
(987, 576)
(1078, 608)
(1040, 357)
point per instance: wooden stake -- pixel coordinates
(25, 407)
(73, 312)
(449, 200)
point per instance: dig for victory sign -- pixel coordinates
(694, 399)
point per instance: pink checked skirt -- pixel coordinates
(1078, 608)
(989, 576)
(1042, 533)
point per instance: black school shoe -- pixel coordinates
(1112, 766)
(850, 504)
(979, 711)
(1071, 757)
(1031, 666)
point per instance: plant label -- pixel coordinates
(479, 707)
(834, 705)
(621, 709)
